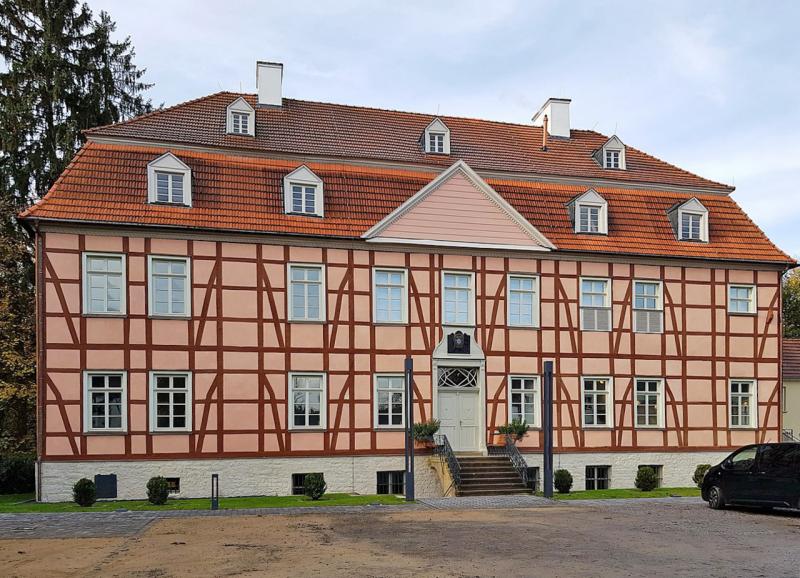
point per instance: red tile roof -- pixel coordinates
(791, 358)
(108, 183)
(353, 132)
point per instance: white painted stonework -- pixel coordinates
(237, 477)
(677, 471)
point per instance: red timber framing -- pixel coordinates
(240, 349)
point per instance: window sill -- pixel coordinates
(166, 204)
(743, 313)
(116, 432)
(293, 214)
(389, 323)
(308, 321)
(648, 332)
(308, 429)
(649, 428)
(743, 427)
(110, 315)
(161, 432)
(179, 317)
(389, 429)
(596, 330)
(534, 327)
(598, 427)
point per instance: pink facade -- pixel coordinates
(240, 349)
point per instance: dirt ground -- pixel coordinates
(569, 540)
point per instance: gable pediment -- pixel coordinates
(458, 208)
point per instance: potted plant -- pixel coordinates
(516, 429)
(422, 433)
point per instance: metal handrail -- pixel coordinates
(511, 451)
(787, 435)
(448, 458)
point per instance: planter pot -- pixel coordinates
(500, 439)
(424, 444)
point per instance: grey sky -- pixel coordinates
(709, 86)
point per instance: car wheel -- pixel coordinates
(715, 500)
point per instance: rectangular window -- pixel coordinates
(458, 299)
(306, 293)
(612, 159)
(533, 478)
(523, 301)
(648, 307)
(104, 284)
(524, 399)
(170, 402)
(659, 471)
(241, 122)
(649, 403)
(435, 142)
(588, 218)
(391, 482)
(595, 304)
(307, 392)
(743, 403)
(389, 296)
(390, 395)
(304, 199)
(174, 485)
(691, 226)
(598, 402)
(742, 299)
(299, 483)
(170, 288)
(169, 187)
(105, 402)
(598, 477)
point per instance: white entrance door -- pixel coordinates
(458, 414)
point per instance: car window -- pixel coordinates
(743, 460)
(779, 459)
(769, 457)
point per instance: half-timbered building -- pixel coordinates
(231, 285)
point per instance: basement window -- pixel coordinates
(392, 482)
(659, 470)
(299, 484)
(598, 477)
(174, 485)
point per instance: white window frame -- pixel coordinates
(535, 301)
(169, 163)
(606, 301)
(590, 199)
(753, 395)
(87, 401)
(703, 232)
(659, 303)
(323, 406)
(579, 218)
(85, 288)
(437, 127)
(660, 407)
(403, 295)
(153, 417)
(303, 177)
(241, 106)
(536, 422)
(187, 287)
(471, 301)
(753, 301)
(323, 293)
(610, 404)
(607, 163)
(377, 389)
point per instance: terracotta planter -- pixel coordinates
(500, 439)
(425, 444)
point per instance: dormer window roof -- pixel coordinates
(611, 155)
(690, 221)
(436, 139)
(169, 181)
(589, 212)
(241, 118)
(303, 193)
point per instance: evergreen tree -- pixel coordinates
(62, 73)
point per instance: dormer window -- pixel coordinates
(690, 221)
(437, 138)
(241, 118)
(303, 193)
(612, 154)
(590, 213)
(169, 181)
(435, 142)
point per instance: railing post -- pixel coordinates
(409, 369)
(547, 423)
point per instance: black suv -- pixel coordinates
(765, 475)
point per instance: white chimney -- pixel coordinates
(557, 112)
(269, 78)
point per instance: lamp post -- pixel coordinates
(409, 373)
(547, 423)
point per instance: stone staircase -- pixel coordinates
(489, 476)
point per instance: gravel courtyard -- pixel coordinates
(630, 538)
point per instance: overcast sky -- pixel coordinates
(713, 87)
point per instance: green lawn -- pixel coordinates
(627, 493)
(17, 503)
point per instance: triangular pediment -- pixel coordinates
(693, 205)
(458, 208)
(590, 196)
